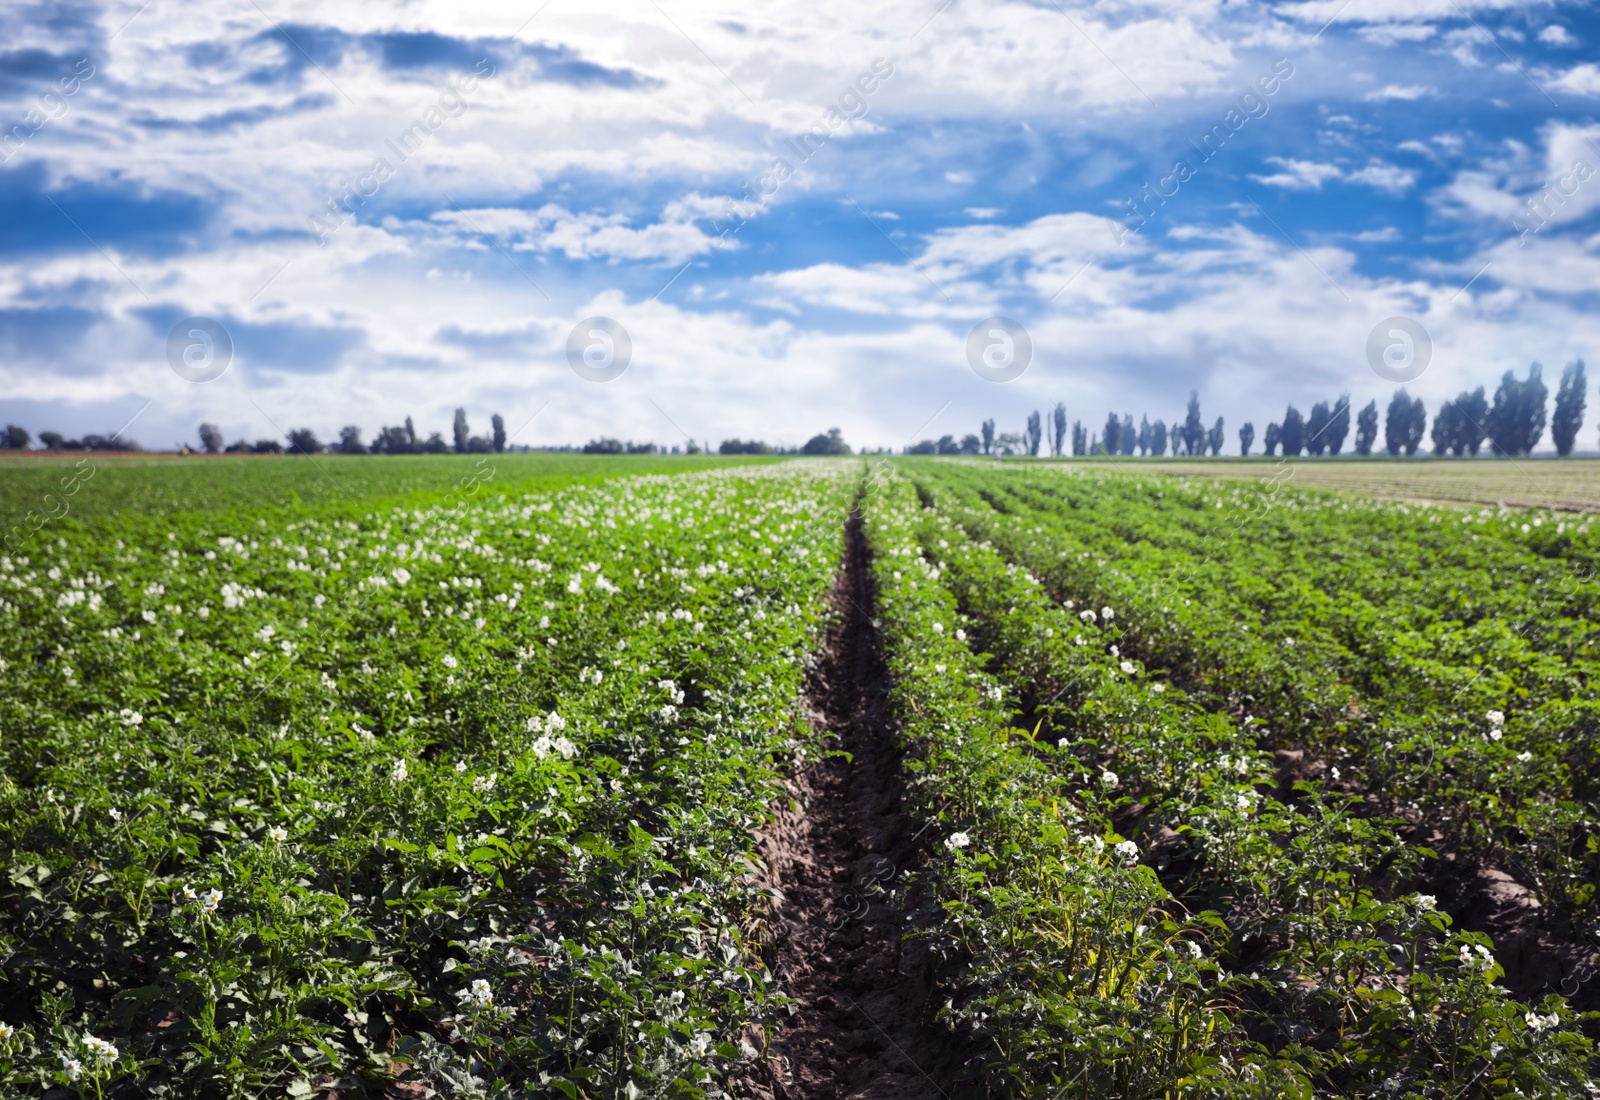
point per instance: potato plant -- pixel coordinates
(1440, 658)
(1334, 978)
(458, 791)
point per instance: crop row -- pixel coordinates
(460, 792)
(1139, 908)
(1446, 669)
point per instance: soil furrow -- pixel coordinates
(863, 1028)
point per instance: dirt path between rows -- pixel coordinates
(864, 1028)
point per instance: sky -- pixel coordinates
(791, 216)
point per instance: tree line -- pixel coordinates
(1513, 424)
(404, 440)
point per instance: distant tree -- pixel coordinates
(1397, 422)
(923, 447)
(1317, 428)
(266, 447)
(1247, 436)
(498, 424)
(1517, 420)
(463, 434)
(1058, 429)
(1366, 428)
(54, 441)
(1194, 430)
(391, 441)
(971, 444)
(211, 438)
(480, 445)
(1128, 437)
(1416, 427)
(350, 441)
(1034, 435)
(95, 442)
(1215, 438)
(831, 443)
(1080, 439)
(1270, 441)
(640, 448)
(237, 447)
(436, 444)
(14, 438)
(603, 446)
(1472, 421)
(1292, 433)
(1339, 424)
(1568, 416)
(1110, 439)
(742, 447)
(988, 436)
(1158, 438)
(1446, 428)
(948, 446)
(304, 441)
(411, 439)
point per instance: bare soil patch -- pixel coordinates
(864, 1028)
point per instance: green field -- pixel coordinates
(39, 488)
(396, 777)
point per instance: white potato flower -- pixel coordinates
(478, 994)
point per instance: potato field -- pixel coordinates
(805, 779)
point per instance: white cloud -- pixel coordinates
(1384, 177)
(1299, 175)
(958, 177)
(1527, 187)
(553, 228)
(1391, 33)
(1398, 91)
(983, 213)
(1581, 80)
(1556, 35)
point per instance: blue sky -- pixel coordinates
(608, 159)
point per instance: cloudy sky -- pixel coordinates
(796, 212)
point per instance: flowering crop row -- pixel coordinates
(1444, 664)
(459, 791)
(1317, 974)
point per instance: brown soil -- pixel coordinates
(1540, 953)
(863, 1028)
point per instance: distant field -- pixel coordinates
(164, 484)
(1566, 483)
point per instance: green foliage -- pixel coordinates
(163, 485)
(1322, 969)
(458, 790)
